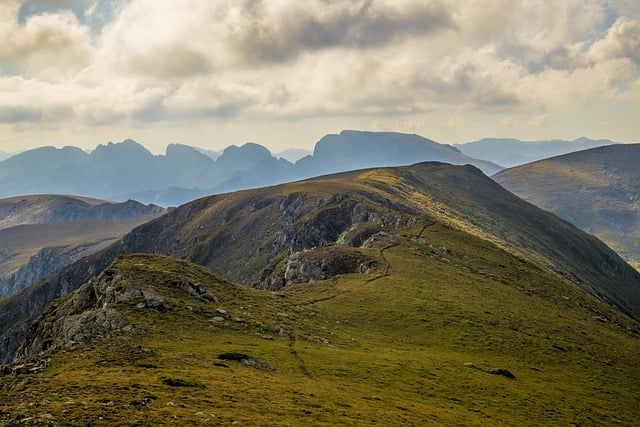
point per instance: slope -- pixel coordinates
(597, 190)
(452, 331)
(310, 230)
(39, 234)
(245, 235)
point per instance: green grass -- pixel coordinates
(379, 349)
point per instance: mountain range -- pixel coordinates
(425, 294)
(509, 152)
(597, 190)
(128, 170)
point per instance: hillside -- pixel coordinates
(448, 329)
(293, 233)
(509, 152)
(40, 234)
(597, 190)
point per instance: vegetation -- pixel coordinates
(414, 346)
(475, 308)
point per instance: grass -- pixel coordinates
(411, 347)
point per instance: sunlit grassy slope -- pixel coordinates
(409, 344)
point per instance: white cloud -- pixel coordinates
(47, 45)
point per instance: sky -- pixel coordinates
(283, 73)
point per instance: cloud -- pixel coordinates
(161, 60)
(622, 41)
(263, 31)
(44, 45)
(20, 114)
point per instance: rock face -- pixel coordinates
(45, 262)
(318, 264)
(91, 312)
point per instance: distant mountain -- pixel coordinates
(293, 154)
(108, 170)
(128, 170)
(49, 209)
(351, 150)
(510, 152)
(213, 155)
(40, 234)
(4, 155)
(597, 190)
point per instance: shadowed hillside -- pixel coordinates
(597, 190)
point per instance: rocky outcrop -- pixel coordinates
(92, 312)
(45, 262)
(19, 311)
(319, 264)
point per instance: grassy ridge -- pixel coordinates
(410, 345)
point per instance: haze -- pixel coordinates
(285, 73)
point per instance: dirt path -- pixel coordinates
(294, 353)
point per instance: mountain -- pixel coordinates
(128, 170)
(40, 234)
(404, 305)
(314, 230)
(598, 190)
(352, 150)
(51, 208)
(293, 154)
(108, 171)
(4, 155)
(213, 155)
(510, 152)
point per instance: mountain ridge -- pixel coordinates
(510, 152)
(128, 170)
(269, 237)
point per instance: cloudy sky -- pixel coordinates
(283, 73)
